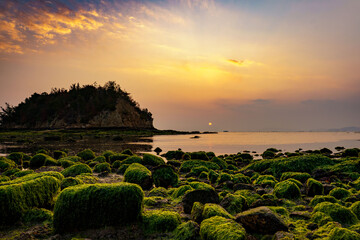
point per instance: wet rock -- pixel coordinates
(261, 220)
(202, 196)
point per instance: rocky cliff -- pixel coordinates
(89, 106)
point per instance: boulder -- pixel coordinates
(261, 220)
(202, 195)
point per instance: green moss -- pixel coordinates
(223, 177)
(100, 159)
(17, 157)
(188, 165)
(261, 179)
(287, 189)
(76, 169)
(11, 172)
(40, 160)
(127, 152)
(337, 213)
(201, 155)
(314, 187)
(70, 181)
(132, 159)
(59, 154)
(87, 178)
(279, 210)
(160, 221)
(6, 164)
(102, 167)
(356, 184)
(298, 183)
(139, 174)
(158, 192)
(355, 208)
(204, 176)
(152, 160)
(201, 185)
(187, 231)
(177, 155)
(320, 218)
(66, 163)
(107, 154)
(343, 234)
(339, 193)
(18, 197)
(197, 212)
(118, 157)
(4, 178)
(213, 176)
(240, 178)
(300, 176)
(219, 228)
(71, 158)
(97, 205)
(180, 191)
(86, 154)
(165, 176)
(37, 215)
(212, 209)
(319, 199)
(195, 171)
(152, 201)
(278, 166)
(249, 195)
(234, 203)
(219, 161)
(116, 164)
(122, 169)
(33, 176)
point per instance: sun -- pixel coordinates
(210, 123)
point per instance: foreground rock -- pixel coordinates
(261, 220)
(202, 196)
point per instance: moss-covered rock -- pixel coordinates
(320, 218)
(197, 211)
(40, 160)
(117, 157)
(97, 205)
(339, 193)
(343, 234)
(152, 160)
(37, 215)
(102, 167)
(300, 176)
(337, 213)
(314, 187)
(319, 199)
(122, 169)
(139, 174)
(165, 176)
(188, 165)
(70, 181)
(17, 157)
(249, 195)
(240, 178)
(66, 163)
(355, 208)
(87, 178)
(158, 192)
(223, 177)
(199, 195)
(4, 178)
(212, 209)
(76, 169)
(160, 221)
(355, 184)
(218, 228)
(287, 189)
(19, 196)
(132, 159)
(219, 161)
(213, 176)
(59, 154)
(180, 191)
(234, 203)
(195, 171)
(187, 231)
(6, 164)
(86, 154)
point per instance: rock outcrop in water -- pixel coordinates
(90, 106)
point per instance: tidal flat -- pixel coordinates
(56, 194)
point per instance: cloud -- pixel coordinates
(244, 63)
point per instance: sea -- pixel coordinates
(256, 142)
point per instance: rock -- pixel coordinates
(283, 235)
(299, 214)
(312, 226)
(203, 196)
(328, 188)
(264, 202)
(261, 220)
(242, 186)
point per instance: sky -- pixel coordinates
(243, 65)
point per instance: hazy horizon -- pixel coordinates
(241, 65)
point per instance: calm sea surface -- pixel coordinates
(233, 142)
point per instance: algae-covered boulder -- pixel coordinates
(339, 193)
(6, 164)
(212, 209)
(188, 165)
(152, 160)
(355, 208)
(319, 199)
(40, 160)
(300, 176)
(86, 154)
(343, 234)
(97, 205)
(165, 176)
(287, 189)
(261, 220)
(180, 191)
(76, 169)
(314, 187)
(337, 213)
(218, 228)
(22, 194)
(201, 195)
(139, 174)
(37, 215)
(234, 203)
(158, 192)
(70, 181)
(17, 157)
(197, 211)
(187, 231)
(160, 221)
(102, 167)
(132, 159)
